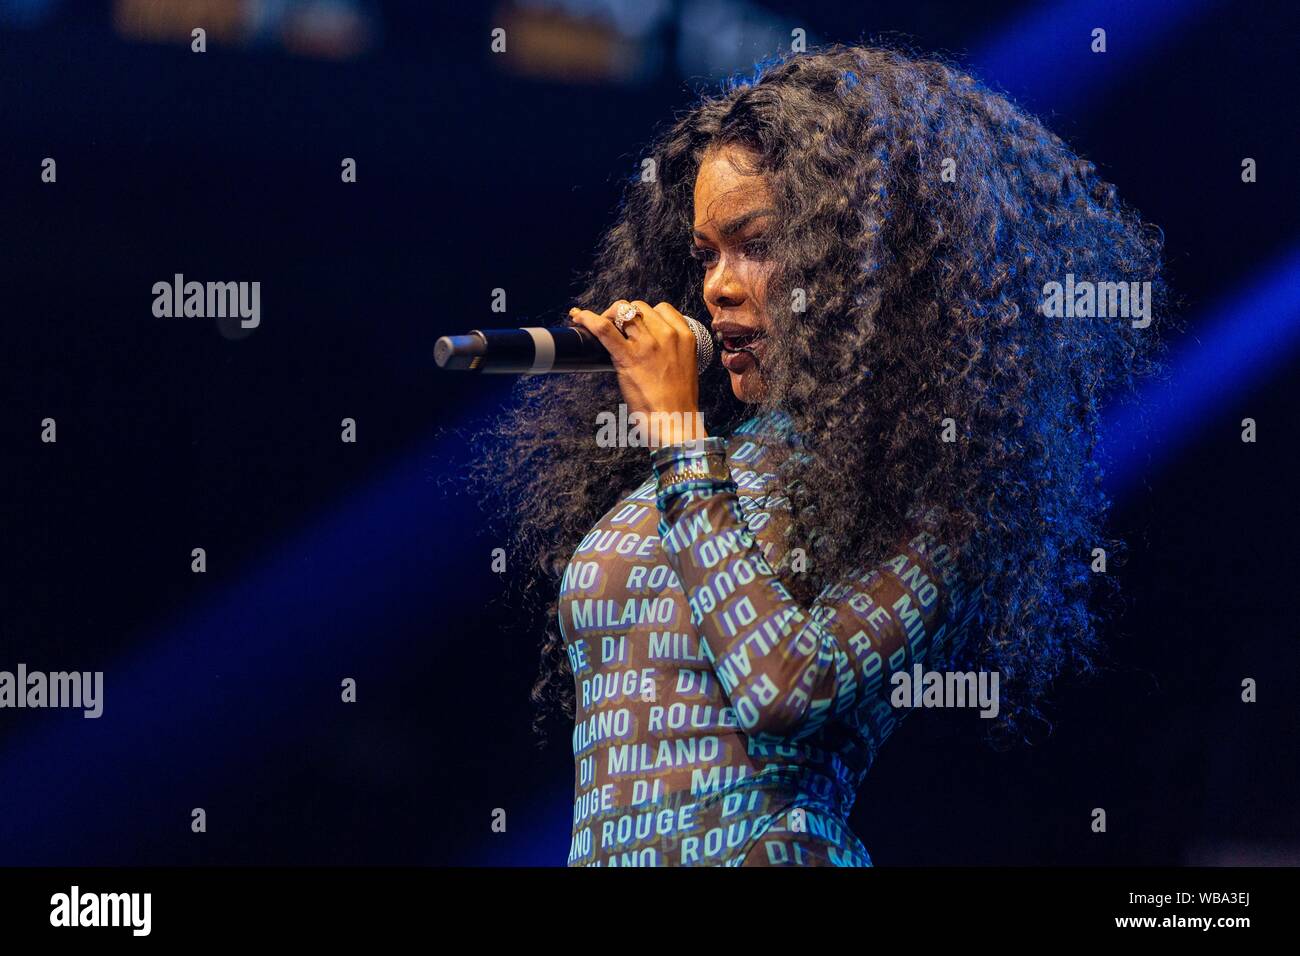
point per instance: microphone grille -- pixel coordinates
(704, 347)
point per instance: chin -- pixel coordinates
(746, 387)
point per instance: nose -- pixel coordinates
(722, 287)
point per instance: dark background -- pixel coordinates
(329, 560)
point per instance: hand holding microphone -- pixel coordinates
(541, 351)
(657, 352)
(654, 351)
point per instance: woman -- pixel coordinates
(899, 478)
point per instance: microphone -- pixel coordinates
(538, 351)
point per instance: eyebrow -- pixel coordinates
(739, 223)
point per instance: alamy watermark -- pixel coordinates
(922, 688)
(1106, 300)
(209, 300)
(75, 908)
(646, 429)
(76, 689)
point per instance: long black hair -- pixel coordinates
(923, 295)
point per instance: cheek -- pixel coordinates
(757, 283)
(754, 276)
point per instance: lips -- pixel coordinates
(738, 363)
(734, 337)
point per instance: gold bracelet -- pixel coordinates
(704, 460)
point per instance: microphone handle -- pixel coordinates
(523, 351)
(537, 351)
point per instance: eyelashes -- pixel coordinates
(753, 249)
(703, 257)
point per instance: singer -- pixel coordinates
(899, 470)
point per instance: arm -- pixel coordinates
(787, 668)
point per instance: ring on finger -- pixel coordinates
(625, 314)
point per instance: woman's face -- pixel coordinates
(733, 212)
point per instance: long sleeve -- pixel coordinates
(785, 668)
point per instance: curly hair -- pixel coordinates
(922, 306)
